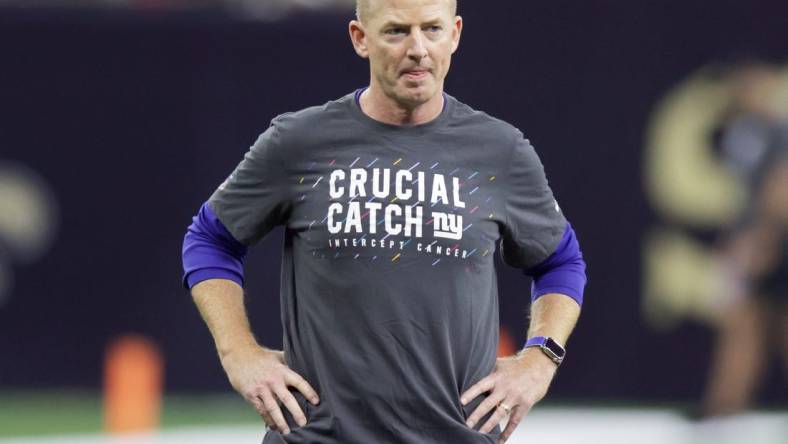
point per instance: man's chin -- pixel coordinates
(418, 95)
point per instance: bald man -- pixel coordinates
(394, 198)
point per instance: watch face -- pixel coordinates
(554, 347)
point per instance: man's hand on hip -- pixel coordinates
(515, 385)
(261, 376)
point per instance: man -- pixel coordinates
(393, 199)
(752, 319)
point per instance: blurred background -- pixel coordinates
(663, 127)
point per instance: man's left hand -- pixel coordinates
(517, 383)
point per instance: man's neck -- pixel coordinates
(382, 108)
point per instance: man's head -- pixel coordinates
(409, 44)
(363, 8)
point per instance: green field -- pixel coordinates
(59, 412)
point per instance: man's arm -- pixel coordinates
(220, 302)
(259, 374)
(553, 315)
(518, 382)
(213, 270)
(522, 380)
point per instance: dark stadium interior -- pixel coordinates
(132, 118)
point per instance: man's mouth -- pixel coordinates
(416, 74)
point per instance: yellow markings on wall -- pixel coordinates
(492, 178)
(394, 259)
(301, 181)
(398, 161)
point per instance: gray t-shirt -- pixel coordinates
(389, 302)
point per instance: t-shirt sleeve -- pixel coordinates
(534, 222)
(256, 196)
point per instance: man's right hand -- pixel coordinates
(261, 376)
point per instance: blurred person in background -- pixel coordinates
(754, 317)
(390, 318)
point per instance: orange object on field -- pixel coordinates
(506, 345)
(133, 373)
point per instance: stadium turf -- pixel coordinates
(65, 412)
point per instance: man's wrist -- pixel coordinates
(548, 346)
(536, 359)
(241, 347)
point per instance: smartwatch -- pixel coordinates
(549, 347)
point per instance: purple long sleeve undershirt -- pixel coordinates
(562, 272)
(211, 252)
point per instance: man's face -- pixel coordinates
(409, 44)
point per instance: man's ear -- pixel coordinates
(358, 36)
(456, 32)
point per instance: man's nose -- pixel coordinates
(417, 49)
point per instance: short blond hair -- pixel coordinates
(363, 8)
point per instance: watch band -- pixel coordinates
(549, 347)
